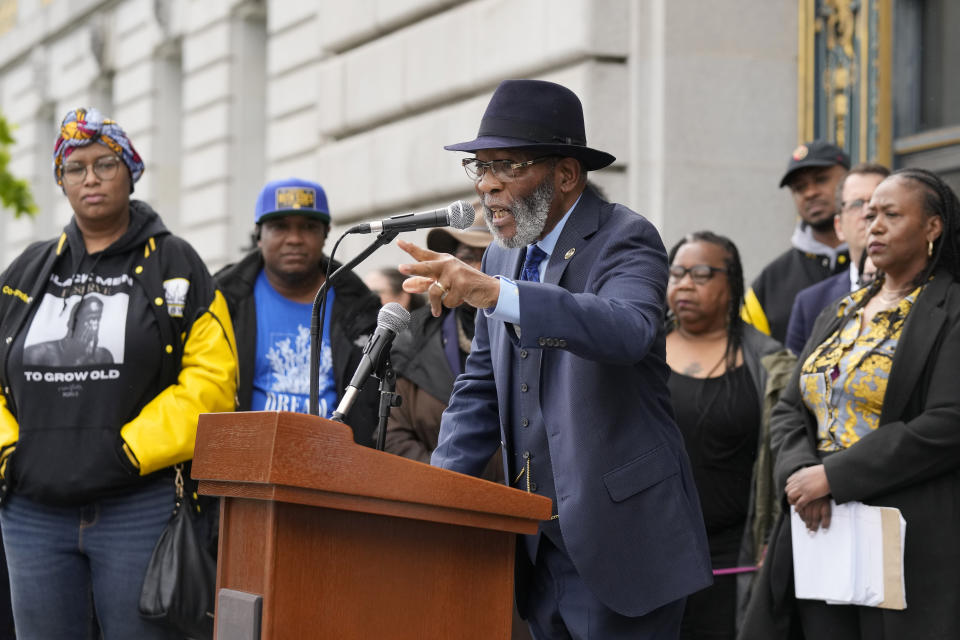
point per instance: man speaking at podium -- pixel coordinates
(567, 369)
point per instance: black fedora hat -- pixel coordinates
(538, 114)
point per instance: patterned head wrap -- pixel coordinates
(81, 127)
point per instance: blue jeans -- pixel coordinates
(67, 562)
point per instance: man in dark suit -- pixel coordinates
(853, 195)
(568, 371)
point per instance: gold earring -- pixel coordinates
(930, 249)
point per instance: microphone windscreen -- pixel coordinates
(394, 317)
(460, 214)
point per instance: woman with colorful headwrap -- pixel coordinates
(115, 339)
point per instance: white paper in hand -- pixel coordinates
(822, 560)
(852, 562)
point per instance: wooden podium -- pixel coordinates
(342, 541)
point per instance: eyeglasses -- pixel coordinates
(105, 168)
(699, 273)
(503, 170)
(854, 205)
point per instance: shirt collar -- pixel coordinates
(803, 240)
(854, 276)
(549, 241)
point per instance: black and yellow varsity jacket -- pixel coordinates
(769, 300)
(106, 361)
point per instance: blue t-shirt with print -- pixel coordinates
(281, 377)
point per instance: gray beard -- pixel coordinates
(529, 215)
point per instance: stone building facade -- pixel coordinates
(698, 101)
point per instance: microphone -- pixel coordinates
(391, 320)
(458, 215)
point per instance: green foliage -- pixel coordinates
(14, 193)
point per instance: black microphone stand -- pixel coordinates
(388, 399)
(316, 319)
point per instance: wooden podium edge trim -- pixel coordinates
(368, 504)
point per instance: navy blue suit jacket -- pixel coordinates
(628, 508)
(809, 303)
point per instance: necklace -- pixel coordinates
(892, 297)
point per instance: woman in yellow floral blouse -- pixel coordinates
(872, 414)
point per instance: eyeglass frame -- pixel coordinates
(74, 181)
(476, 165)
(697, 279)
(853, 205)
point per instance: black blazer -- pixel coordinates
(912, 461)
(807, 307)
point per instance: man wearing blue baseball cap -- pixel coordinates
(568, 371)
(270, 294)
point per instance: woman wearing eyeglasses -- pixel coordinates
(725, 378)
(115, 339)
(872, 414)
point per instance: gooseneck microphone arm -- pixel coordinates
(316, 320)
(458, 214)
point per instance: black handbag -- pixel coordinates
(178, 588)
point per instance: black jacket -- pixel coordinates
(770, 366)
(808, 305)
(425, 382)
(353, 318)
(110, 422)
(418, 354)
(911, 461)
(768, 302)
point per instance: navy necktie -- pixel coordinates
(531, 266)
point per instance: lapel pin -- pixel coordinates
(569, 254)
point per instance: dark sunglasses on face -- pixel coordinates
(699, 273)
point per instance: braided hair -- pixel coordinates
(938, 200)
(734, 269)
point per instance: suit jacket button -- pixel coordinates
(563, 343)
(533, 486)
(524, 423)
(523, 353)
(542, 341)
(524, 388)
